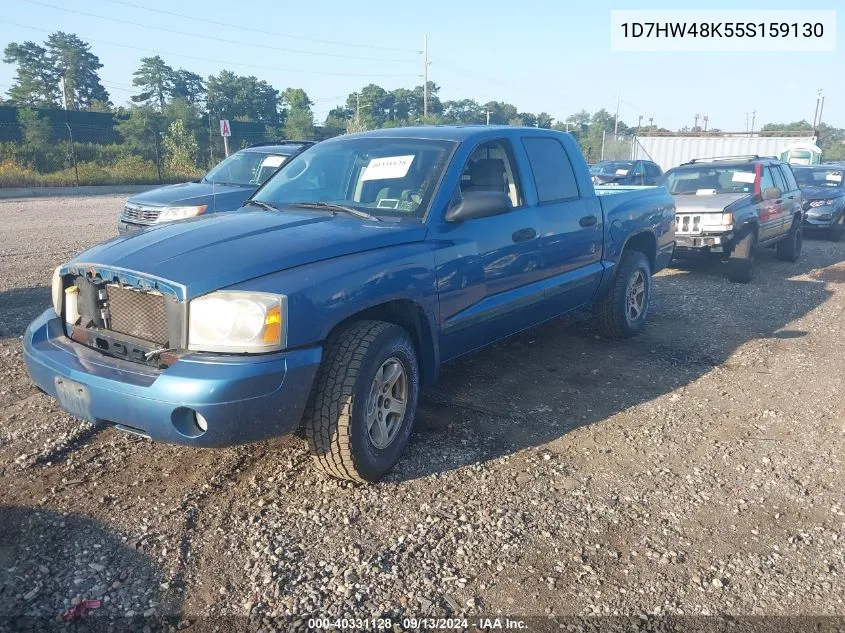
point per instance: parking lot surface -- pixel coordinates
(696, 469)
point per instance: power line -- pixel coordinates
(228, 25)
(217, 39)
(218, 61)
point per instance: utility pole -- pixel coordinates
(753, 117)
(425, 75)
(651, 122)
(821, 109)
(695, 125)
(816, 115)
(616, 118)
(706, 119)
(746, 121)
(488, 116)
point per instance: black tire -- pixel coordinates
(335, 424)
(611, 312)
(837, 229)
(789, 248)
(741, 261)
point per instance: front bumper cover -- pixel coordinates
(243, 398)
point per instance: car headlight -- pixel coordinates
(170, 214)
(819, 203)
(238, 322)
(57, 289)
(717, 220)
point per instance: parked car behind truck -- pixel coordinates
(224, 188)
(626, 172)
(823, 188)
(365, 263)
(731, 206)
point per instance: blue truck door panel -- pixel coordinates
(481, 271)
(573, 226)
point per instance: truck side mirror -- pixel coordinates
(479, 204)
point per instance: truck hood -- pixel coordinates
(217, 197)
(215, 251)
(715, 203)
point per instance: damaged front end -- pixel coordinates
(122, 314)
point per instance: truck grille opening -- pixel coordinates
(138, 213)
(688, 224)
(139, 314)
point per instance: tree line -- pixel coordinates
(64, 72)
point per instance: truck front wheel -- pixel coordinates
(622, 312)
(364, 401)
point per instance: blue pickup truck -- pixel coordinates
(343, 284)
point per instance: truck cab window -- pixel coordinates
(553, 173)
(491, 167)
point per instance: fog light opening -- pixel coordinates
(188, 422)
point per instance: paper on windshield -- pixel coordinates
(705, 192)
(621, 172)
(743, 176)
(388, 167)
(273, 161)
(834, 176)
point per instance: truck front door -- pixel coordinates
(487, 266)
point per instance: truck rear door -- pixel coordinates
(571, 242)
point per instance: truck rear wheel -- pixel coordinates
(789, 248)
(622, 312)
(741, 262)
(364, 401)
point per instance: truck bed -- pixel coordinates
(615, 199)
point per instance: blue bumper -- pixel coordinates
(242, 398)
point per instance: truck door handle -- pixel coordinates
(523, 235)
(588, 220)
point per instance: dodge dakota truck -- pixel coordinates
(343, 284)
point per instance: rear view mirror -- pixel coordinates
(479, 204)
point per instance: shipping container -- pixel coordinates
(671, 151)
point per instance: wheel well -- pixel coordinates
(644, 242)
(412, 318)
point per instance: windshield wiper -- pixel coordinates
(335, 207)
(263, 205)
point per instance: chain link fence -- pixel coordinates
(617, 146)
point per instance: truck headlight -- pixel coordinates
(57, 289)
(820, 203)
(238, 322)
(170, 214)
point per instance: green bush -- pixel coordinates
(130, 170)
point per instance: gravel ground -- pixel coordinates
(695, 470)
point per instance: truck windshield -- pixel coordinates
(385, 177)
(245, 169)
(820, 177)
(708, 179)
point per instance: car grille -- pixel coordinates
(136, 313)
(140, 213)
(688, 224)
